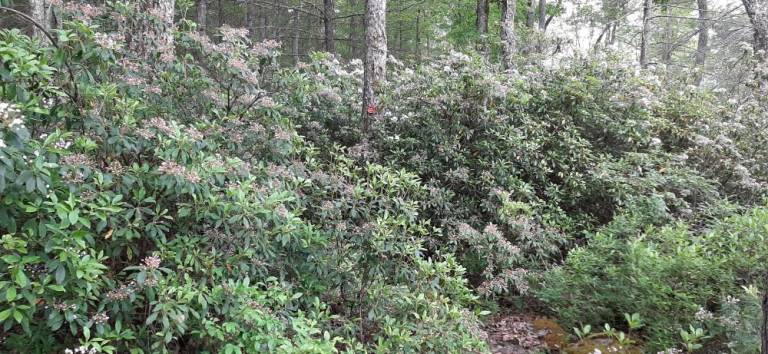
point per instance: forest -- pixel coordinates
(384, 176)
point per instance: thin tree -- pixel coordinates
(296, 32)
(508, 44)
(542, 15)
(481, 21)
(150, 36)
(702, 45)
(531, 14)
(645, 35)
(375, 58)
(329, 12)
(40, 11)
(202, 14)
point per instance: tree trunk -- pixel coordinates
(542, 15)
(264, 24)
(220, 17)
(253, 12)
(148, 37)
(645, 35)
(702, 46)
(666, 56)
(351, 33)
(40, 10)
(418, 36)
(329, 12)
(530, 19)
(757, 10)
(508, 32)
(481, 21)
(764, 328)
(375, 58)
(296, 33)
(202, 14)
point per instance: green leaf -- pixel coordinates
(5, 314)
(73, 217)
(10, 294)
(11, 259)
(18, 316)
(21, 278)
(61, 272)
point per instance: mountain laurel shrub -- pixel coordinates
(209, 199)
(168, 205)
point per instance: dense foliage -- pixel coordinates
(208, 199)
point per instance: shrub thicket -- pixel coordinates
(208, 199)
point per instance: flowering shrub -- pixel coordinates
(199, 197)
(167, 204)
(520, 168)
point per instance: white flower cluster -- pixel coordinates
(10, 115)
(81, 350)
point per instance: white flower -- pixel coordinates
(16, 121)
(2, 144)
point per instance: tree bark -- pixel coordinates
(530, 19)
(148, 37)
(296, 33)
(40, 11)
(764, 328)
(702, 45)
(508, 44)
(645, 35)
(375, 58)
(202, 14)
(329, 12)
(264, 24)
(542, 15)
(666, 55)
(481, 21)
(418, 36)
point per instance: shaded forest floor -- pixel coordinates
(532, 334)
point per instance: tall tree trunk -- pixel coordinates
(375, 58)
(250, 23)
(481, 21)
(351, 33)
(296, 33)
(481, 24)
(247, 15)
(264, 24)
(418, 36)
(764, 328)
(329, 12)
(202, 14)
(702, 47)
(276, 35)
(220, 17)
(645, 35)
(757, 10)
(542, 15)
(508, 32)
(666, 56)
(530, 19)
(146, 38)
(40, 10)
(400, 32)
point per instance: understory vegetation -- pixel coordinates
(213, 199)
